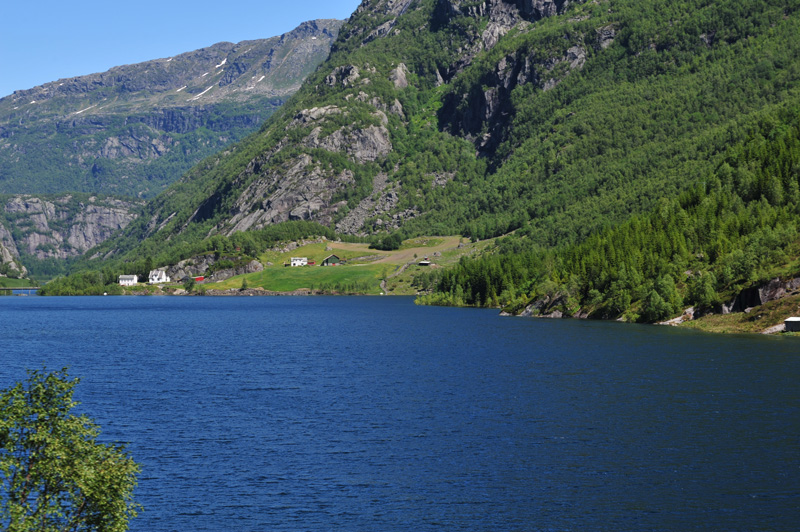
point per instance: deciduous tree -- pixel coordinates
(54, 474)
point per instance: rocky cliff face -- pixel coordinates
(302, 189)
(10, 266)
(136, 128)
(481, 109)
(756, 295)
(208, 265)
(60, 227)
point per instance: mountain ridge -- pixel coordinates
(135, 128)
(352, 137)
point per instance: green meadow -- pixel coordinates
(361, 274)
(318, 252)
(362, 279)
(7, 282)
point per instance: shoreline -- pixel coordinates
(234, 292)
(708, 323)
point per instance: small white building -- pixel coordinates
(792, 324)
(158, 276)
(128, 280)
(299, 261)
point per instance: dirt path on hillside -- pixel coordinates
(397, 272)
(405, 256)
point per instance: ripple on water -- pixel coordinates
(374, 414)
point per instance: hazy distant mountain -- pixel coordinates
(136, 128)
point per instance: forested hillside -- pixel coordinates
(559, 121)
(735, 227)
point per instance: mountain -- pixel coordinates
(361, 140)
(135, 129)
(450, 116)
(43, 231)
(576, 128)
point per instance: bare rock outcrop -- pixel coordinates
(758, 295)
(481, 113)
(549, 306)
(95, 224)
(345, 76)
(354, 220)
(539, 9)
(747, 299)
(395, 108)
(7, 241)
(62, 227)
(398, 76)
(205, 265)
(299, 190)
(307, 116)
(605, 36)
(687, 315)
(362, 145)
(503, 15)
(385, 9)
(10, 265)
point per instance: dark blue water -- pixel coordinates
(365, 414)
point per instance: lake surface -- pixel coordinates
(372, 414)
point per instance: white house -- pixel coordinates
(158, 276)
(128, 280)
(299, 261)
(792, 324)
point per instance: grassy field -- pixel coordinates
(363, 272)
(361, 279)
(401, 280)
(5, 282)
(318, 252)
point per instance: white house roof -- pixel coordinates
(792, 319)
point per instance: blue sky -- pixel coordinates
(53, 39)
